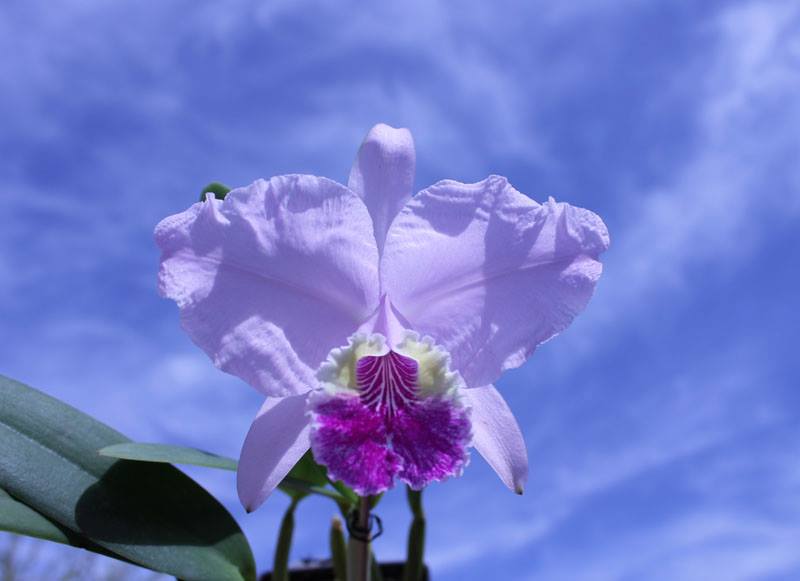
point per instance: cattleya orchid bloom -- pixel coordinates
(375, 322)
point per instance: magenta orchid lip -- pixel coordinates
(281, 276)
(389, 410)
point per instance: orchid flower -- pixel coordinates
(376, 322)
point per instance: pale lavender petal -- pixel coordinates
(273, 277)
(432, 437)
(496, 435)
(383, 174)
(489, 273)
(386, 321)
(350, 439)
(276, 441)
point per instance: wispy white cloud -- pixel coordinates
(27, 559)
(740, 173)
(739, 181)
(707, 544)
(582, 450)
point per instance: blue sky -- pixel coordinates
(662, 427)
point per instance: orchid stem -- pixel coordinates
(359, 562)
(416, 538)
(375, 568)
(338, 550)
(280, 568)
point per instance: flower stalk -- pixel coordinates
(338, 550)
(280, 568)
(375, 567)
(359, 563)
(416, 538)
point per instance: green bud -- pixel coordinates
(219, 190)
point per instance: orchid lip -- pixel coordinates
(387, 382)
(387, 412)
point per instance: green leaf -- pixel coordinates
(307, 469)
(307, 477)
(219, 190)
(347, 492)
(151, 514)
(292, 487)
(309, 472)
(18, 518)
(168, 454)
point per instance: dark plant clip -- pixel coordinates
(360, 533)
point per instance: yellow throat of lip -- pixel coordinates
(337, 374)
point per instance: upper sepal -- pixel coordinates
(383, 175)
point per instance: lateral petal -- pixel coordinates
(271, 278)
(489, 273)
(497, 437)
(277, 439)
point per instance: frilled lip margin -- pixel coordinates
(384, 413)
